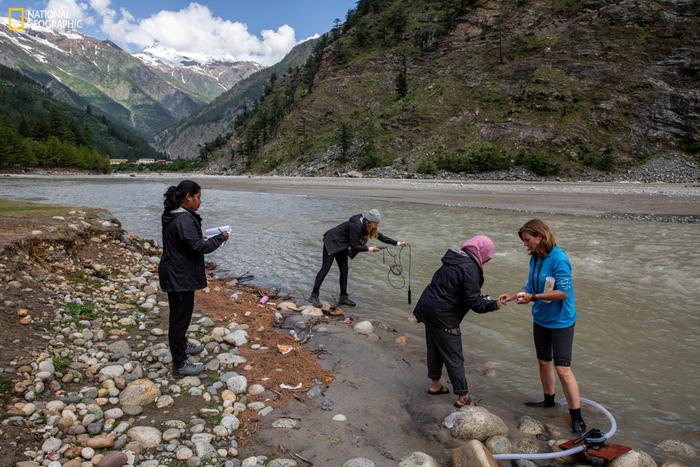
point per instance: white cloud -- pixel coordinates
(315, 36)
(69, 10)
(195, 30)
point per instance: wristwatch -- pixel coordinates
(534, 297)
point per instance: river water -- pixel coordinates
(636, 348)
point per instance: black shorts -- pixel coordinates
(557, 342)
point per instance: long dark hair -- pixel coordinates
(175, 194)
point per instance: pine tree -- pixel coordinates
(401, 83)
(344, 140)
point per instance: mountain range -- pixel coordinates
(185, 139)
(148, 91)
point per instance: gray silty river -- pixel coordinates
(636, 348)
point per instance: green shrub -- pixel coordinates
(371, 157)
(60, 363)
(481, 158)
(607, 159)
(5, 384)
(543, 164)
(427, 167)
(689, 145)
(568, 6)
(84, 311)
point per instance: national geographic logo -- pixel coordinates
(15, 19)
(51, 19)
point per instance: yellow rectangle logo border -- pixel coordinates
(9, 19)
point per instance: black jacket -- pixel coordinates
(454, 290)
(348, 237)
(181, 267)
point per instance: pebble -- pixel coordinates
(339, 418)
(114, 413)
(237, 384)
(164, 401)
(114, 459)
(285, 423)
(184, 453)
(132, 409)
(363, 327)
(256, 389)
(51, 445)
(148, 436)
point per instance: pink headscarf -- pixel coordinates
(481, 246)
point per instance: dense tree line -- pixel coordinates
(38, 131)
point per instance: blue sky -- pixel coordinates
(262, 30)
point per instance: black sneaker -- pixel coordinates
(193, 349)
(188, 369)
(314, 300)
(345, 300)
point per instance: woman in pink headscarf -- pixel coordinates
(454, 290)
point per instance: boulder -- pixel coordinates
(677, 448)
(477, 423)
(634, 459)
(499, 444)
(473, 454)
(530, 425)
(418, 459)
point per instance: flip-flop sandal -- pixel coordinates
(459, 405)
(442, 390)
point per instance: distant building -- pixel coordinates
(118, 161)
(145, 161)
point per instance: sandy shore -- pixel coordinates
(673, 202)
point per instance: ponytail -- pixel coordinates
(175, 194)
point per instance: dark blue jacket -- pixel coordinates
(181, 266)
(454, 290)
(348, 237)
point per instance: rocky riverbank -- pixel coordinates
(668, 168)
(85, 371)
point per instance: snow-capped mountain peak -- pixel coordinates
(160, 55)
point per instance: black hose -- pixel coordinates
(396, 269)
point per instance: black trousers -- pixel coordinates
(342, 259)
(181, 307)
(446, 349)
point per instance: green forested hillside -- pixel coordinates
(559, 86)
(36, 130)
(204, 129)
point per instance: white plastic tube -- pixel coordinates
(566, 452)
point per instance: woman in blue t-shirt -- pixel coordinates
(551, 292)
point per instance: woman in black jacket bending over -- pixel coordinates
(181, 269)
(454, 290)
(347, 240)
